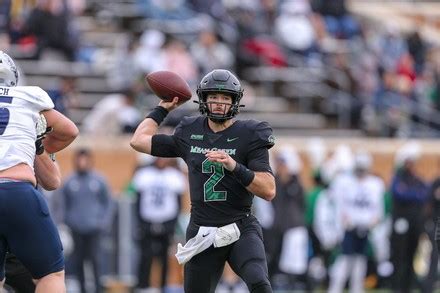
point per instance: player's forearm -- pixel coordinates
(141, 140)
(55, 142)
(63, 134)
(263, 185)
(47, 172)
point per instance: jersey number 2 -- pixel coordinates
(209, 187)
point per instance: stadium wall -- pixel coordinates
(115, 159)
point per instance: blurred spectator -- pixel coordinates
(267, 15)
(148, 54)
(51, 23)
(288, 236)
(409, 194)
(114, 114)
(394, 104)
(389, 46)
(316, 152)
(178, 59)
(434, 95)
(351, 85)
(159, 188)
(225, 24)
(210, 53)
(432, 224)
(295, 17)
(165, 9)
(128, 63)
(66, 95)
(339, 22)
(318, 252)
(360, 198)
(406, 67)
(417, 49)
(5, 15)
(87, 209)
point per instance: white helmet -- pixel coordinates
(8, 71)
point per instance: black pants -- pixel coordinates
(431, 277)
(87, 248)
(17, 276)
(245, 256)
(404, 244)
(154, 242)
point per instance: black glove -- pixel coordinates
(39, 147)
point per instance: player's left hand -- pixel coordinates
(223, 158)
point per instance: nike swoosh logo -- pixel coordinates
(231, 139)
(204, 235)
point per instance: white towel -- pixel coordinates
(226, 235)
(206, 236)
(294, 255)
(204, 239)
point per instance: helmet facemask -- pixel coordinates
(224, 82)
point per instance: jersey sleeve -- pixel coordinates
(40, 99)
(258, 160)
(167, 146)
(262, 137)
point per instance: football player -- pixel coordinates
(228, 162)
(26, 227)
(49, 177)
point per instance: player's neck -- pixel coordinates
(216, 127)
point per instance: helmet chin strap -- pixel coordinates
(218, 120)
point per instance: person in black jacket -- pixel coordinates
(409, 195)
(289, 221)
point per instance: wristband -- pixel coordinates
(39, 147)
(243, 174)
(158, 114)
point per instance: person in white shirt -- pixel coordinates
(359, 198)
(159, 188)
(26, 227)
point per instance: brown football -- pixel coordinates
(167, 85)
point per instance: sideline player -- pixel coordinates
(228, 162)
(26, 227)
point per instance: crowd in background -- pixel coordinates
(371, 235)
(387, 77)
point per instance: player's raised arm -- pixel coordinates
(141, 140)
(173, 91)
(63, 133)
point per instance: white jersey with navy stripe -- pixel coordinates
(19, 110)
(158, 189)
(360, 200)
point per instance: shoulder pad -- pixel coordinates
(262, 135)
(35, 95)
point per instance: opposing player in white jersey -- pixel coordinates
(26, 228)
(359, 199)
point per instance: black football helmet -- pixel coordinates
(220, 81)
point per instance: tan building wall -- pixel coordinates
(116, 160)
